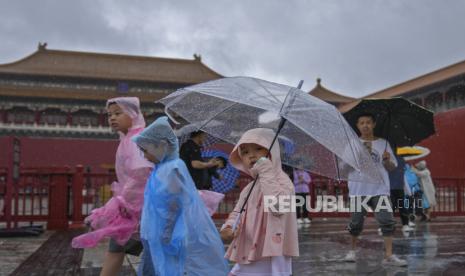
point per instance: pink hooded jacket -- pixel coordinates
(132, 171)
(262, 234)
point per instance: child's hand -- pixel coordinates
(228, 235)
(88, 223)
(261, 160)
(124, 213)
(263, 164)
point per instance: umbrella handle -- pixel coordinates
(280, 127)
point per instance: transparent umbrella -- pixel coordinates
(320, 139)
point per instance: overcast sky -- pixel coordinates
(357, 47)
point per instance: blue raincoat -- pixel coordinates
(178, 234)
(414, 183)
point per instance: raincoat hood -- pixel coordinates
(130, 106)
(159, 140)
(262, 137)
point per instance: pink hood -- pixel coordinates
(130, 106)
(262, 137)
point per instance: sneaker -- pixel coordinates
(380, 232)
(299, 221)
(393, 260)
(350, 257)
(411, 224)
(307, 221)
(407, 228)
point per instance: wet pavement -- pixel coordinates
(14, 251)
(435, 248)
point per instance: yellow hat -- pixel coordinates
(408, 151)
(412, 153)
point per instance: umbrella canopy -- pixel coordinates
(317, 136)
(398, 120)
(185, 131)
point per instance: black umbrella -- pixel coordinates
(398, 120)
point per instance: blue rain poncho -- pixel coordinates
(178, 234)
(412, 179)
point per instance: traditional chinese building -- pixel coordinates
(55, 99)
(442, 91)
(62, 93)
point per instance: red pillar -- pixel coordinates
(3, 116)
(9, 184)
(101, 119)
(58, 200)
(37, 115)
(78, 185)
(459, 196)
(69, 118)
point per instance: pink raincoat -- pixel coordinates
(211, 200)
(119, 217)
(262, 234)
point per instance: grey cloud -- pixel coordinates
(356, 47)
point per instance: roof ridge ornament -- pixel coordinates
(42, 46)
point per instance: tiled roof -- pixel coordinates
(111, 66)
(413, 84)
(324, 94)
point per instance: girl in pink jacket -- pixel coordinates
(265, 240)
(119, 217)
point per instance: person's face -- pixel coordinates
(202, 138)
(366, 125)
(148, 156)
(250, 153)
(117, 119)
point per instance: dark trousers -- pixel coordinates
(302, 211)
(384, 217)
(398, 202)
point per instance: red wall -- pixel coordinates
(447, 157)
(43, 152)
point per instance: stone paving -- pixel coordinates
(14, 251)
(435, 248)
